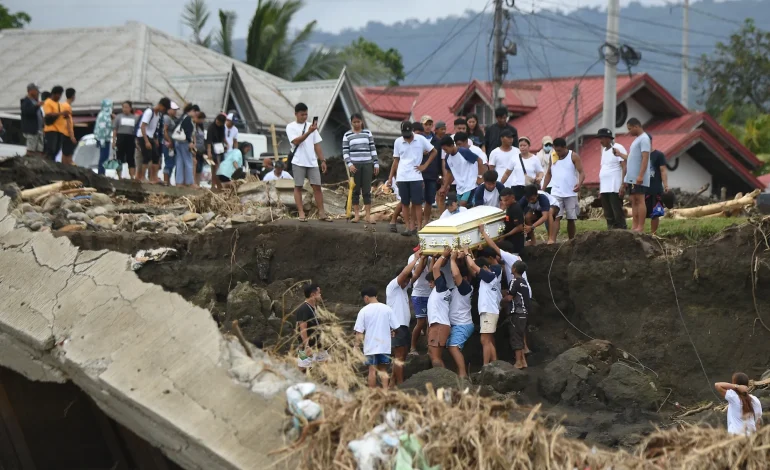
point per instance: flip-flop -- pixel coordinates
(302, 219)
(353, 221)
(393, 228)
(327, 219)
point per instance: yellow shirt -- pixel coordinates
(50, 107)
(66, 107)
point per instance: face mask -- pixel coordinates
(547, 148)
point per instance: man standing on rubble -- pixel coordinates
(308, 325)
(638, 172)
(305, 155)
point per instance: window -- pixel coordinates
(484, 114)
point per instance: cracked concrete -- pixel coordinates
(149, 359)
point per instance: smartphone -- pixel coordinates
(315, 120)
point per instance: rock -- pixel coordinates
(26, 207)
(73, 228)
(79, 216)
(35, 226)
(103, 222)
(416, 364)
(439, 377)
(503, 377)
(72, 206)
(287, 297)
(572, 376)
(144, 222)
(266, 215)
(246, 304)
(241, 219)
(206, 297)
(190, 217)
(99, 199)
(625, 387)
(96, 211)
(174, 231)
(199, 224)
(761, 393)
(208, 216)
(53, 202)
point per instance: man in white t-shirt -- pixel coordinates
(306, 145)
(506, 157)
(611, 174)
(231, 132)
(374, 325)
(438, 310)
(147, 139)
(464, 168)
(397, 298)
(278, 173)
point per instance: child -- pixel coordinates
(438, 311)
(375, 326)
(489, 302)
(460, 313)
(517, 322)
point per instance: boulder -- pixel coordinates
(96, 211)
(439, 377)
(266, 215)
(72, 206)
(173, 231)
(190, 217)
(242, 219)
(53, 202)
(573, 375)
(416, 364)
(625, 387)
(144, 222)
(503, 377)
(99, 199)
(206, 296)
(246, 304)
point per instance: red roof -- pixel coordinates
(765, 180)
(434, 100)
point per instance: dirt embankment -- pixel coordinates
(614, 286)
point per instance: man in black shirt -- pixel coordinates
(307, 323)
(492, 137)
(520, 308)
(216, 146)
(514, 220)
(658, 185)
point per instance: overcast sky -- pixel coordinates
(332, 15)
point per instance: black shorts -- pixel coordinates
(651, 200)
(52, 142)
(517, 328)
(402, 338)
(223, 179)
(151, 155)
(636, 188)
(125, 149)
(67, 146)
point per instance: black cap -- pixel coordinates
(447, 141)
(417, 126)
(406, 129)
(451, 197)
(604, 132)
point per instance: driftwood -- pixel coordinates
(34, 193)
(717, 208)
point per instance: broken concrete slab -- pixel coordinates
(149, 359)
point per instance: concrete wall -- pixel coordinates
(150, 360)
(689, 175)
(634, 110)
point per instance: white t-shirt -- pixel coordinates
(446, 212)
(492, 198)
(231, 133)
(409, 156)
(490, 295)
(305, 153)
(272, 177)
(420, 286)
(502, 161)
(479, 153)
(375, 321)
(151, 118)
(438, 307)
(463, 171)
(611, 173)
(737, 423)
(398, 300)
(508, 260)
(533, 167)
(460, 305)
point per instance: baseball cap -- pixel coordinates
(604, 132)
(406, 129)
(440, 125)
(547, 140)
(451, 197)
(174, 105)
(32, 86)
(230, 116)
(425, 119)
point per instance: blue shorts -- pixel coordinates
(377, 360)
(420, 306)
(459, 335)
(431, 187)
(466, 196)
(411, 192)
(169, 161)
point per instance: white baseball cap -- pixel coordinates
(174, 105)
(230, 116)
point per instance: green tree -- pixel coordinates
(738, 72)
(195, 16)
(10, 20)
(224, 37)
(391, 59)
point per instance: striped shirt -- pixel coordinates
(358, 147)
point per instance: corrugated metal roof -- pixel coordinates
(765, 180)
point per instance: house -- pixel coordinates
(141, 64)
(699, 151)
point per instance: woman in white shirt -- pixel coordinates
(533, 169)
(744, 411)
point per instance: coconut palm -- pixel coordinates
(224, 37)
(195, 15)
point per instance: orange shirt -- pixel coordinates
(49, 107)
(66, 107)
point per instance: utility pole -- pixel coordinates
(611, 65)
(575, 95)
(685, 52)
(499, 54)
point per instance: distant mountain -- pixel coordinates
(551, 43)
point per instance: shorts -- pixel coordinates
(402, 337)
(438, 334)
(34, 142)
(199, 162)
(568, 206)
(651, 200)
(636, 188)
(420, 306)
(489, 322)
(150, 155)
(466, 196)
(431, 188)
(223, 179)
(67, 146)
(169, 161)
(124, 151)
(312, 173)
(411, 192)
(377, 360)
(459, 335)
(517, 328)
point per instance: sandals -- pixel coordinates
(327, 219)
(302, 219)
(393, 228)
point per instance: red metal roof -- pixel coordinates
(765, 180)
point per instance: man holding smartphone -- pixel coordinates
(305, 154)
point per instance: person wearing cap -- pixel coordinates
(565, 176)
(431, 174)
(278, 173)
(103, 133)
(463, 167)
(408, 151)
(611, 174)
(166, 144)
(452, 207)
(231, 132)
(32, 120)
(427, 124)
(533, 171)
(492, 138)
(546, 155)
(506, 160)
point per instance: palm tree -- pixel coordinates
(195, 15)
(224, 37)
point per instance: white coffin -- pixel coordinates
(462, 230)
